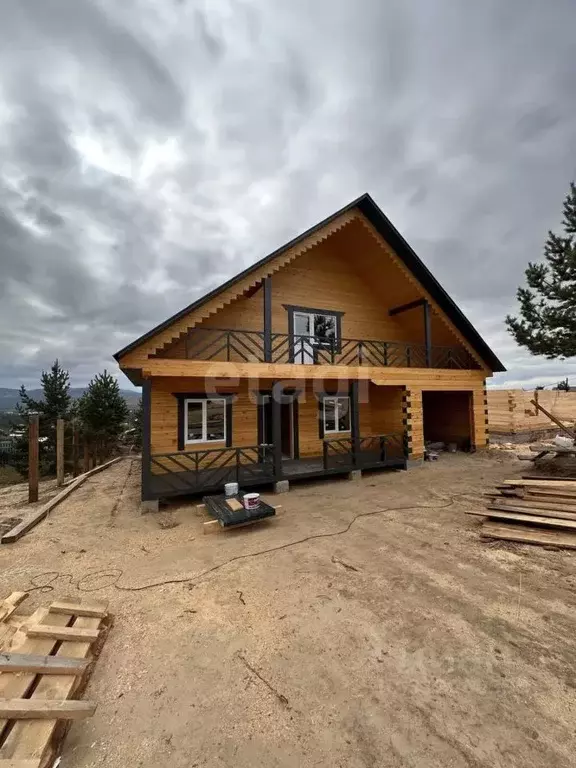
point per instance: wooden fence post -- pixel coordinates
(85, 467)
(75, 448)
(33, 435)
(59, 452)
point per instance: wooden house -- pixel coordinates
(336, 353)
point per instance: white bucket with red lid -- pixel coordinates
(251, 500)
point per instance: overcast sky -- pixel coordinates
(149, 149)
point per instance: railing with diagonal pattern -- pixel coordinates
(372, 451)
(241, 346)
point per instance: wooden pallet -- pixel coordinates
(532, 511)
(42, 675)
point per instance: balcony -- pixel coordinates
(239, 346)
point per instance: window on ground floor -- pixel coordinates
(336, 414)
(205, 421)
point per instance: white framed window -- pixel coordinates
(336, 414)
(205, 421)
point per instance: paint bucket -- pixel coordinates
(251, 500)
(231, 489)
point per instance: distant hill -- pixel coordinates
(9, 397)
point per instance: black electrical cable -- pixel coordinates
(115, 574)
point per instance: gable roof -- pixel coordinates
(366, 205)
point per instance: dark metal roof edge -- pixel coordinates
(229, 283)
(384, 226)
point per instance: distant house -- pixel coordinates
(339, 351)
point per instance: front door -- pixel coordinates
(288, 428)
(303, 338)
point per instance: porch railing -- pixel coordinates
(249, 347)
(194, 471)
(373, 451)
(188, 472)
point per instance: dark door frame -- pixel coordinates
(265, 406)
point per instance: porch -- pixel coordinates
(206, 471)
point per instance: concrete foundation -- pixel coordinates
(355, 474)
(282, 486)
(411, 463)
(152, 505)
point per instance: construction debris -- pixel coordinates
(44, 668)
(533, 511)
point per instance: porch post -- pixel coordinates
(149, 504)
(277, 390)
(355, 422)
(267, 286)
(427, 333)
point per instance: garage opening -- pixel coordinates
(447, 418)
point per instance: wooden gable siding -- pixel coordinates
(343, 274)
(166, 336)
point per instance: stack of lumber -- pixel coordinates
(43, 670)
(533, 511)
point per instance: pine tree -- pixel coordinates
(56, 403)
(136, 421)
(547, 322)
(103, 414)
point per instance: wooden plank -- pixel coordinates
(46, 709)
(18, 531)
(553, 484)
(529, 503)
(59, 452)
(73, 634)
(37, 664)
(524, 517)
(545, 478)
(513, 507)
(95, 610)
(527, 535)
(17, 686)
(563, 493)
(33, 461)
(33, 738)
(9, 605)
(20, 763)
(553, 418)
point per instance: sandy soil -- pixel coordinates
(400, 639)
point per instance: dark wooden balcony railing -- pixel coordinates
(249, 347)
(195, 471)
(189, 472)
(373, 451)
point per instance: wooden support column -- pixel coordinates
(33, 435)
(75, 449)
(355, 422)
(277, 391)
(59, 452)
(427, 333)
(267, 286)
(146, 439)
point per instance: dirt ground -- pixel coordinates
(396, 639)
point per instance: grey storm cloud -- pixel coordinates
(149, 150)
